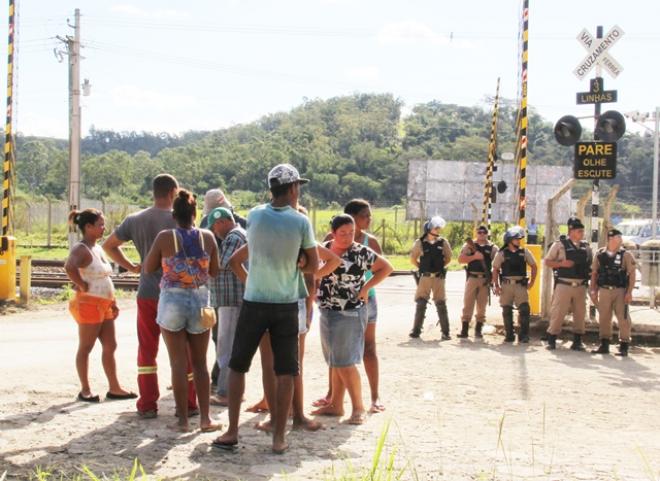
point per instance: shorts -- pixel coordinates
(372, 310)
(281, 322)
(302, 316)
(342, 336)
(180, 308)
(88, 309)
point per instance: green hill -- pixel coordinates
(349, 146)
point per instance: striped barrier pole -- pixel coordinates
(522, 190)
(9, 147)
(492, 153)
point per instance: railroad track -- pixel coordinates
(50, 273)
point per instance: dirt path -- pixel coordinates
(459, 410)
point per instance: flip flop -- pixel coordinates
(320, 403)
(118, 397)
(88, 399)
(225, 445)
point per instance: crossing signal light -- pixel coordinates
(568, 130)
(610, 126)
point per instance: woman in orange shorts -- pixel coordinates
(93, 306)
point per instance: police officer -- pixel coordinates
(612, 281)
(570, 257)
(478, 254)
(430, 254)
(510, 282)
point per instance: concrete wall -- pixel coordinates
(447, 188)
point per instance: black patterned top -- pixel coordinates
(339, 291)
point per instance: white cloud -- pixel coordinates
(369, 74)
(412, 32)
(134, 11)
(131, 96)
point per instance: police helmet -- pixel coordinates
(433, 222)
(515, 232)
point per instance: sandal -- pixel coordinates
(118, 397)
(89, 399)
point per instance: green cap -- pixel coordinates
(217, 214)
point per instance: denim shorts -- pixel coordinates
(372, 310)
(180, 309)
(342, 336)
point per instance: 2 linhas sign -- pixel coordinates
(598, 52)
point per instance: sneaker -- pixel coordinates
(152, 413)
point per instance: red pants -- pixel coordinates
(148, 336)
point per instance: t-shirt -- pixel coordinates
(142, 228)
(275, 237)
(339, 291)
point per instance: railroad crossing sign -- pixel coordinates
(596, 94)
(595, 160)
(598, 52)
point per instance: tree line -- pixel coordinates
(352, 146)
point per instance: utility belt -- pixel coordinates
(478, 275)
(576, 283)
(432, 274)
(610, 288)
(507, 280)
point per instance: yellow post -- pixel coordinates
(7, 268)
(26, 279)
(535, 291)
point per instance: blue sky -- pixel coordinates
(203, 64)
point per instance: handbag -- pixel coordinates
(207, 316)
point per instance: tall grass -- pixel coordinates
(382, 466)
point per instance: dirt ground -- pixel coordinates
(459, 410)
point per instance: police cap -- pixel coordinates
(613, 232)
(574, 223)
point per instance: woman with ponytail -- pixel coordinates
(93, 306)
(188, 256)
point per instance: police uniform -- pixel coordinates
(570, 288)
(477, 286)
(513, 282)
(614, 271)
(431, 256)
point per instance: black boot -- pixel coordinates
(443, 319)
(477, 330)
(552, 342)
(507, 316)
(523, 320)
(577, 343)
(465, 327)
(604, 347)
(623, 349)
(420, 313)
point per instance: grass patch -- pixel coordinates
(136, 473)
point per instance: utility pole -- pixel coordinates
(656, 148)
(73, 51)
(640, 118)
